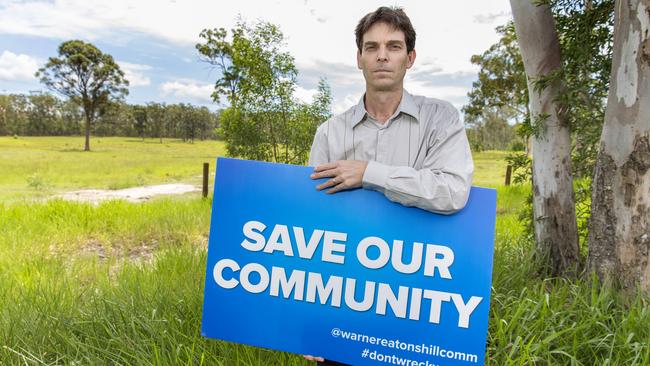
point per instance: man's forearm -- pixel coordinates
(433, 190)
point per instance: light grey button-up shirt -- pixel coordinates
(420, 157)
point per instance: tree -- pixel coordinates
(258, 79)
(140, 120)
(501, 81)
(585, 32)
(43, 115)
(553, 202)
(493, 132)
(156, 113)
(586, 29)
(619, 233)
(85, 75)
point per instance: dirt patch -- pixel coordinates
(135, 194)
(93, 248)
(143, 252)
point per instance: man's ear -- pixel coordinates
(358, 59)
(411, 59)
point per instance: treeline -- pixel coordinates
(495, 133)
(43, 114)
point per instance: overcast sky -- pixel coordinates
(153, 41)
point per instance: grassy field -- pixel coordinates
(38, 167)
(121, 283)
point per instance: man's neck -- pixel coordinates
(382, 104)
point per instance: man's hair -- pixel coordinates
(393, 16)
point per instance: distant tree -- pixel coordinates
(501, 81)
(87, 76)
(15, 113)
(140, 119)
(494, 131)
(5, 105)
(72, 118)
(44, 115)
(156, 120)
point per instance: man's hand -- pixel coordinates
(312, 358)
(345, 174)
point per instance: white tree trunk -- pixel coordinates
(619, 232)
(553, 204)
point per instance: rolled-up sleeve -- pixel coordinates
(443, 182)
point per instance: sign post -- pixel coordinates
(351, 277)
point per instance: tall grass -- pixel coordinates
(65, 301)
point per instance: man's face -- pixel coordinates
(383, 58)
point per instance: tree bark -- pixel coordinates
(553, 203)
(619, 227)
(87, 144)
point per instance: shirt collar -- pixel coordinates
(406, 105)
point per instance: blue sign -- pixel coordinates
(351, 277)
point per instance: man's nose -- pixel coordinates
(382, 54)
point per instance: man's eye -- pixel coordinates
(370, 48)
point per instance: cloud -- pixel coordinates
(134, 73)
(462, 79)
(304, 95)
(17, 66)
(318, 34)
(346, 82)
(491, 17)
(188, 90)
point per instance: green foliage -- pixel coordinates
(522, 167)
(495, 133)
(35, 182)
(87, 76)
(140, 119)
(38, 114)
(501, 81)
(258, 79)
(83, 73)
(42, 114)
(587, 35)
(585, 31)
(582, 189)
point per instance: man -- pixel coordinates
(412, 149)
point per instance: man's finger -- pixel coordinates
(326, 166)
(324, 174)
(328, 183)
(337, 188)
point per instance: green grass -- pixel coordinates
(490, 168)
(38, 167)
(121, 283)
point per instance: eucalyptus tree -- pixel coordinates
(87, 76)
(619, 232)
(553, 200)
